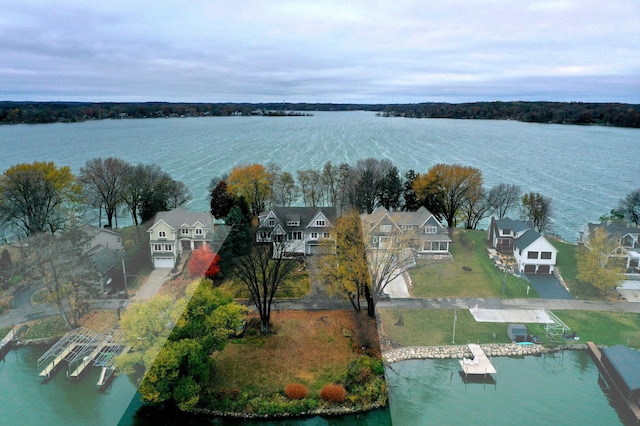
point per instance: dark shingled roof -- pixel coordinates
(626, 361)
(514, 225)
(526, 239)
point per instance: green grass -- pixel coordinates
(46, 328)
(433, 327)
(40, 296)
(479, 278)
(605, 328)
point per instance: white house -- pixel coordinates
(532, 252)
(424, 232)
(304, 229)
(176, 231)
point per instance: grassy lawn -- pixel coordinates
(606, 328)
(435, 327)
(309, 347)
(471, 273)
(296, 285)
(50, 327)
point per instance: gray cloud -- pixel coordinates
(330, 51)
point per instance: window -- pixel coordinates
(506, 231)
(157, 247)
(293, 223)
(545, 255)
(184, 231)
(199, 231)
(314, 235)
(385, 228)
(168, 247)
(118, 240)
(532, 255)
(295, 235)
(430, 229)
(162, 234)
(272, 222)
(375, 239)
(443, 246)
(319, 222)
(326, 235)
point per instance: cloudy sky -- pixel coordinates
(320, 51)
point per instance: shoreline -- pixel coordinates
(462, 351)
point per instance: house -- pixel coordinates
(532, 252)
(176, 231)
(625, 237)
(104, 249)
(425, 234)
(304, 229)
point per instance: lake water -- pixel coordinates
(585, 170)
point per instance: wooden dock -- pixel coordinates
(480, 365)
(46, 372)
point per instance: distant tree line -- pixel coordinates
(454, 193)
(611, 114)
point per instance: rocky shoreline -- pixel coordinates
(460, 351)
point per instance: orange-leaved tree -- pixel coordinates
(204, 262)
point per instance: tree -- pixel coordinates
(253, 182)
(537, 209)
(221, 201)
(36, 197)
(161, 193)
(104, 182)
(345, 272)
(172, 341)
(385, 263)
(502, 198)
(629, 207)
(135, 178)
(370, 173)
(6, 266)
(390, 190)
(69, 277)
(445, 188)
(285, 190)
(475, 208)
(264, 271)
(330, 176)
(237, 239)
(410, 199)
(310, 186)
(203, 262)
(597, 263)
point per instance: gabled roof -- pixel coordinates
(513, 224)
(92, 230)
(529, 237)
(418, 217)
(626, 361)
(618, 230)
(182, 218)
(303, 215)
(103, 258)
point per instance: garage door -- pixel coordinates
(529, 269)
(544, 269)
(163, 262)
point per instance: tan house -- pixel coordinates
(176, 231)
(424, 232)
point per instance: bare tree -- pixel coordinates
(104, 183)
(264, 271)
(537, 209)
(502, 198)
(475, 208)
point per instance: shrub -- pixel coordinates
(296, 391)
(333, 393)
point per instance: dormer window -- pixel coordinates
(293, 223)
(319, 222)
(272, 222)
(199, 231)
(385, 228)
(162, 234)
(184, 231)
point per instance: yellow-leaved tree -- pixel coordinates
(253, 182)
(597, 262)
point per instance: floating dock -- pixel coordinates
(479, 365)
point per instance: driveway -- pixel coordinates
(548, 286)
(152, 285)
(397, 288)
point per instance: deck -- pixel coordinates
(479, 365)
